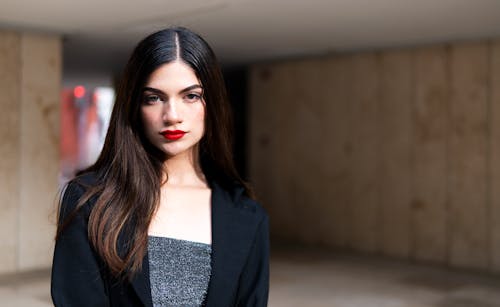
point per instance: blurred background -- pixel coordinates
(370, 130)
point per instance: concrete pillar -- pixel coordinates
(30, 79)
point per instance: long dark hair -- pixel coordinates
(129, 169)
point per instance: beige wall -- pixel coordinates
(395, 152)
(30, 78)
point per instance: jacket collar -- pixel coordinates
(232, 234)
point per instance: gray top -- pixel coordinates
(179, 271)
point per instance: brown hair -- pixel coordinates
(129, 169)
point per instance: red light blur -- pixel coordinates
(79, 91)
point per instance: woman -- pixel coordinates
(162, 218)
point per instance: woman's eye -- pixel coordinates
(150, 99)
(192, 97)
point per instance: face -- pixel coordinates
(173, 109)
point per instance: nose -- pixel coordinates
(171, 114)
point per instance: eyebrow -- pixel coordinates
(157, 91)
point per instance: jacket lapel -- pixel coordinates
(233, 230)
(141, 285)
(140, 281)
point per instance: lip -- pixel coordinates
(173, 135)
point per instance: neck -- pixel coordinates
(184, 170)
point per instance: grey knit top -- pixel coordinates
(179, 271)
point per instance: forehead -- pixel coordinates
(173, 75)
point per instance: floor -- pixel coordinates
(319, 278)
(25, 290)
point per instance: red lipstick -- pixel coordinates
(172, 135)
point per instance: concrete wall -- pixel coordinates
(30, 78)
(393, 152)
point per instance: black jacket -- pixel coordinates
(240, 257)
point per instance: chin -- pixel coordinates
(173, 152)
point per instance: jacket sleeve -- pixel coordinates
(254, 281)
(76, 277)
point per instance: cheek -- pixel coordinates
(199, 116)
(147, 120)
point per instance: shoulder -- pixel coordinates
(82, 182)
(77, 186)
(73, 192)
(236, 198)
(86, 180)
(251, 205)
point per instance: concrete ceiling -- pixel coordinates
(99, 34)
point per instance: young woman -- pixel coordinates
(162, 218)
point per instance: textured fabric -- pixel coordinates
(179, 271)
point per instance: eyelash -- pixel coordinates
(151, 99)
(191, 97)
